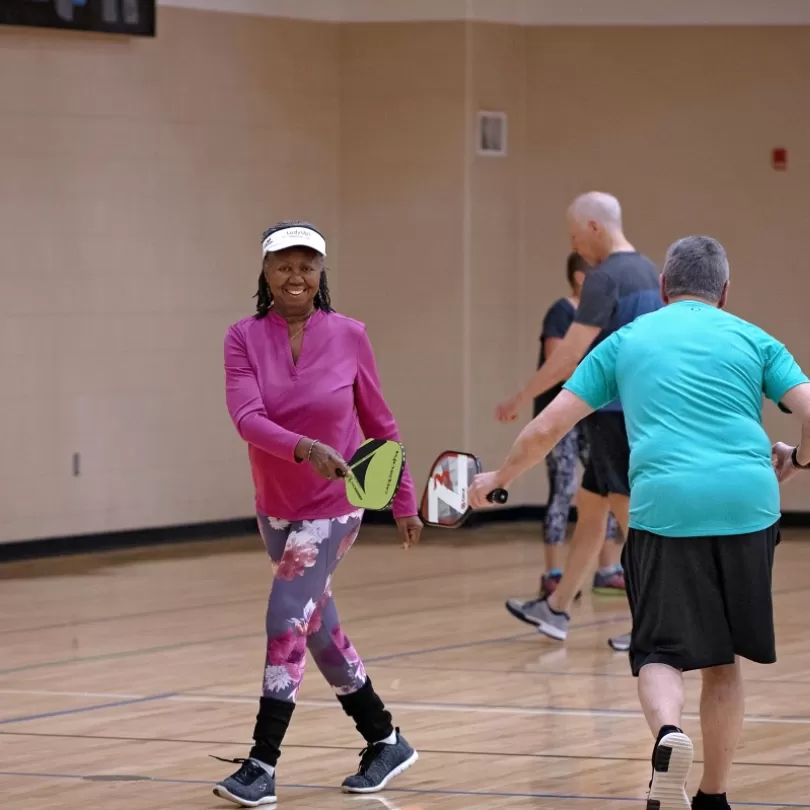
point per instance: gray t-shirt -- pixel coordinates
(615, 293)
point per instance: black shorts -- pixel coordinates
(608, 468)
(698, 602)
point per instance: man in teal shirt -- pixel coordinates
(704, 501)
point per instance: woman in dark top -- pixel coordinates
(562, 464)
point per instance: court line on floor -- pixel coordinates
(439, 706)
(470, 644)
(240, 637)
(181, 645)
(59, 693)
(526, 711)
(89, 659)
(415, 791)
(242, 600)
(263, 597)
(364, 617)
(569, 673)
(212, 641)
(82, 709)
(351, 748)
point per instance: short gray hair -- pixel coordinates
(698, 266)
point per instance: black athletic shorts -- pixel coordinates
(608, 468)
(697, 602)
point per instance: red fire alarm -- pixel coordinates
(779, 159)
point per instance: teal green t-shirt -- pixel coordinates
(691, 379)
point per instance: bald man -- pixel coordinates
(622, 286)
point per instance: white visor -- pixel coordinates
(294, 237)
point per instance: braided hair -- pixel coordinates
(264, 297)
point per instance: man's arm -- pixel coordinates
(596, 306)
(542, 434)
(786, 384)
(597, 303)
(550, 345)
(561, 362)
(797, 399)
(592, 386)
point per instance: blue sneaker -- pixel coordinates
(379, 764)
(250, 786)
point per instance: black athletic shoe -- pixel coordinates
(671, 760)
(250, 786)
(379, 764)
(716, 801)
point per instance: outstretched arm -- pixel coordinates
(797, 402)
(784, 383)
(597, 303)
(532, 445)
(592, 386)
(561, 362)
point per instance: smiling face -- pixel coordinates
(294, 276)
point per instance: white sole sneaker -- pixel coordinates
(673, 759)
(548, 629)
(224, 793)
(620, 643)
(396, 772)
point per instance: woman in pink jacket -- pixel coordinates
(303, 392)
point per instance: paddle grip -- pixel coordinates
(500, 496)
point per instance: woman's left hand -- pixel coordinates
(411, 529)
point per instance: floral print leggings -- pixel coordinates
(301, 613)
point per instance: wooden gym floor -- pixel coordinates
(141, 664)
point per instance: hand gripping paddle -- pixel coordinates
(445, 502)
(376, 473)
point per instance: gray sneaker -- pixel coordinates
(620, 643)
(250, 786)
(525, 611)
(537, 612)
(379, 764)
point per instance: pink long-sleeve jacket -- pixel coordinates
(332, 394)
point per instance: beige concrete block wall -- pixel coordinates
(680, 124)
(136, 177)
(402, 187)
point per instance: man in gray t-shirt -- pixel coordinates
(622, 285)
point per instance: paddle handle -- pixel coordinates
(500, 496)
